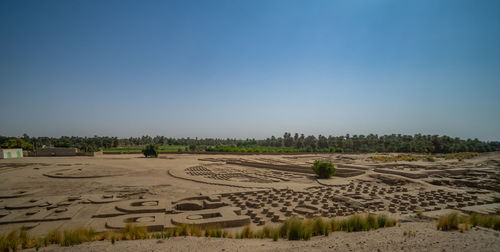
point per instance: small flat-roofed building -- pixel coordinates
(11, 153)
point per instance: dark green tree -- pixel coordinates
(323, 169)
(150, 150)
(15, 142)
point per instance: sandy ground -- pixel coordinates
(426, 238)
(47, 193)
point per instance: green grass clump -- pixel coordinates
(78, 236)
(53, 237)
(196, 231)
(266, 232)
(372, 221)
(182, 230)
(487, 221)
(10, 242)
(216, 231)
(448, 222)
(319, 227)
(132, 232)
(295, 229)
(454, 221)
(358, 223)
(246, 232)
(292, 229)
(383, 221)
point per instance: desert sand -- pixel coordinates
(107, 192)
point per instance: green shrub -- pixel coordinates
(323, 169)
(151, 150)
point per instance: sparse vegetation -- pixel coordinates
(454, 221)
(78, 236)
(292, 229)
(419, 214)
(410, 233)
(132, 232)
(323, 169)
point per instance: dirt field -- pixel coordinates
(107, 192)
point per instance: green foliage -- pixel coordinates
(419, 214)
(323, 169)
(14, 142)
(247, 232)
(357, 223)
(77, 236)
(292, 229)
(454, 221)
(295, 229)
(215, 231)
(448, 222)
(275, 235)
(487, 221)
(429, 158)
(357, 143)
(182, 230)
(150, 150)
(319, 227)
(196, 231)
(54, 237)
(132, 232)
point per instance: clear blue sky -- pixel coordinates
(250, 68)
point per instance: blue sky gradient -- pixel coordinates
(250, 68)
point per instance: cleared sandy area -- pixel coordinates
(45, 193)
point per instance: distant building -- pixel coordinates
(54, 152)
(11, 153)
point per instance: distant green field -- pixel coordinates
(165, 148)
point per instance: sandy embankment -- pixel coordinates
(426, 238)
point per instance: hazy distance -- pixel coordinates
(249, 69)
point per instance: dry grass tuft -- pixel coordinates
(454, 221)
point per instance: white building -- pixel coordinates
(11, 153)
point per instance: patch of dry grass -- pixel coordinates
(454, 221)
(292, 229)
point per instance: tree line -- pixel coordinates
(417, 143)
